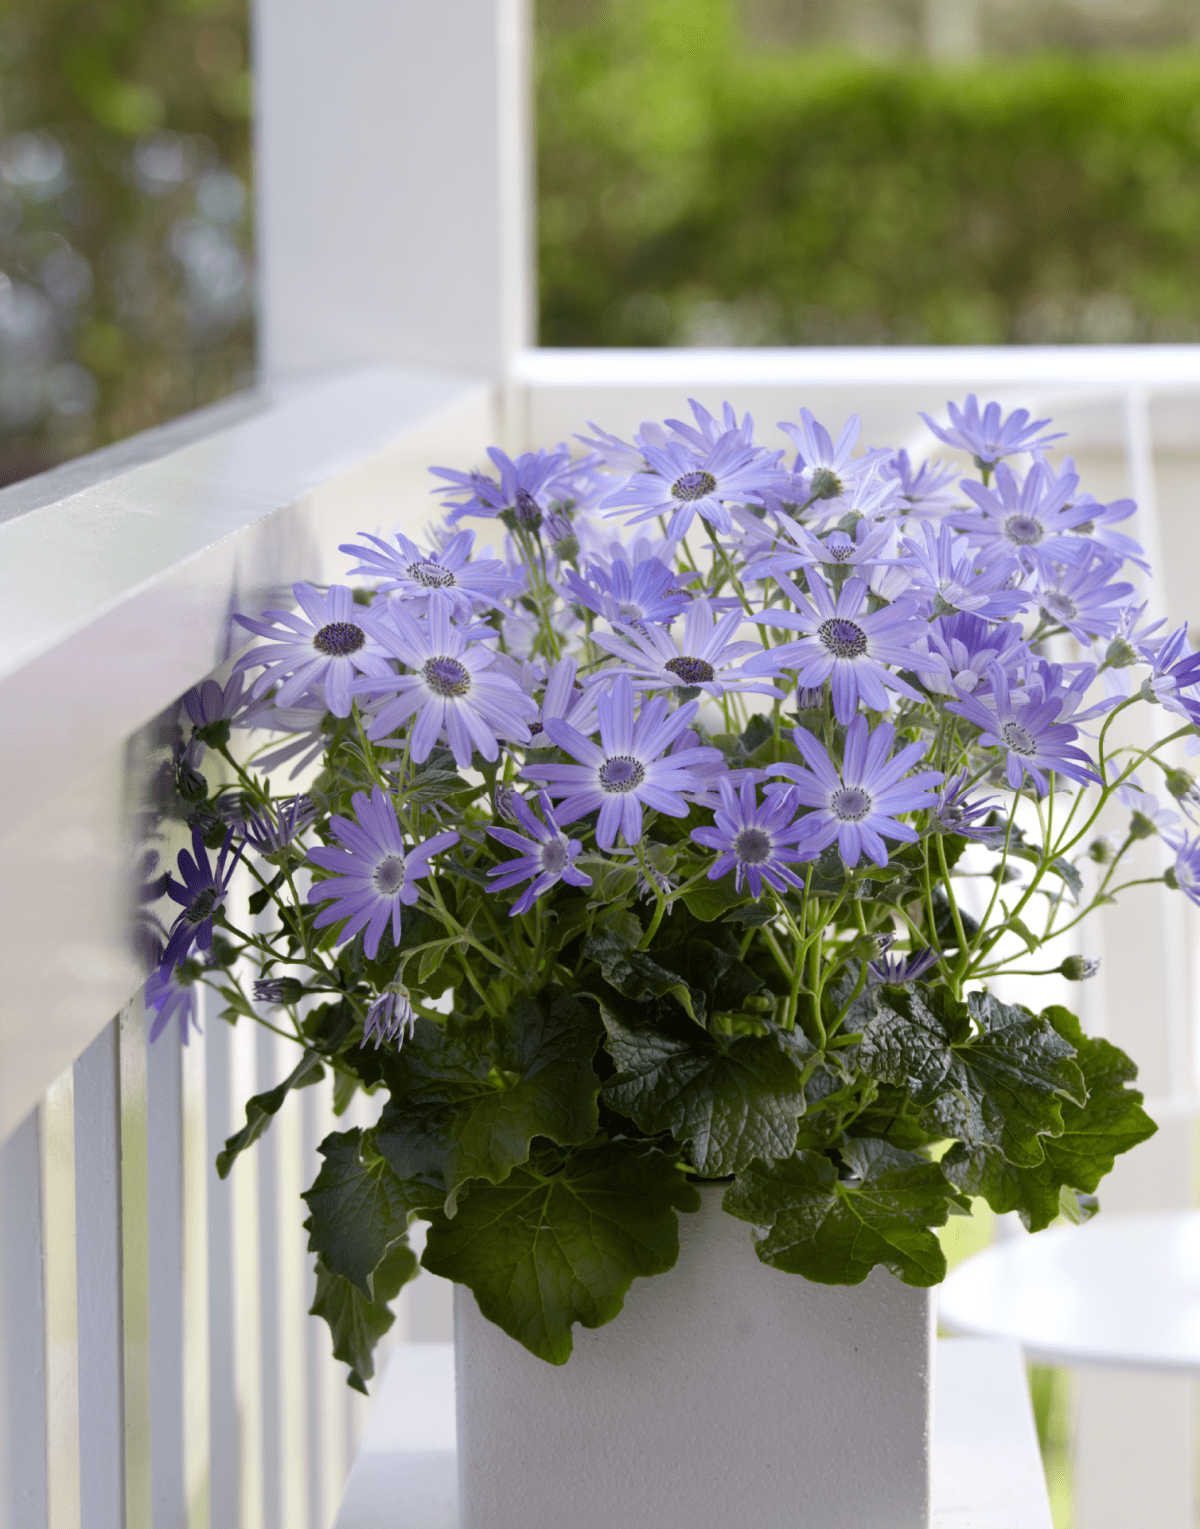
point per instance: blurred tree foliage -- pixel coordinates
(693, 190)
(125, 219)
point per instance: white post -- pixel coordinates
(393, 160)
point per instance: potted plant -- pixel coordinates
(655, 867)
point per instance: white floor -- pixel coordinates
(987, 1473)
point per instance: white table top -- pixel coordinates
(987, 1473)
(1124, 1290)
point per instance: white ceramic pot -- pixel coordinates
(725, 1394)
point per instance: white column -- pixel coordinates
(393, 159)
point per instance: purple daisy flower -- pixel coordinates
(214, 710)
(1187, 868)
(1175, 669)
(171, 997)
(1019, 520)
(1081, 598)
(374, 874)
(201, 895)
(526, 489)
(452, 690)
(390, 1017)
(625, 770)
(1101, 519)
(705, 655)
(564, 700)
(1029, 731)
(825, 470)
(446, 575)
(968, 644)
(306, 725)
(686, 483)
(757, 842)
(956, 814)
(928, 491)
(643, 591)
(949, 578)
(846, 644)
(273, 828)
(546, 857)
(988, 437)
(895, 968)
(328, 646)
(856, 805)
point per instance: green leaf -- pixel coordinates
(562, 1240)
(712, 899)
(834, 1231)
(733, 1099)
(1111, 1121)
(261, 1107)
(756, 916)
(1000, 1084)
(359, 1210)
(448, 1120)
(355, 1323)
(1019, 927)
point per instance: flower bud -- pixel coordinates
(1079, 968)
(189, 782)
(1140, 826)
(277, 989)
(1182, 787)
(1120, 654)
(824, 484)
(503, 797)
(1171, 879)
(1100, 850)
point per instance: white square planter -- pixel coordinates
(725, 1394)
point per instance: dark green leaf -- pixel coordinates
(713, 899)
(261, 1107)
(1111, 1121)
(359, 1210)
(753, 917)
(835, 1231)
(733, 1099)
(355, 1323)
(1001, 1087)
(562, 1240)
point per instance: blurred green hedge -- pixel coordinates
(694, 191)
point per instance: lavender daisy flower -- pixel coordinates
(1021, 519)
(214, 710)
(1029, 732)
(445, 575)
(201, 894)
(564, 700)
(641, 592)
(704, 655)
(451, 690)
(948, 576)
(390, 1017)
(1187, 869)
(307, 725)
(171, 996)
(956, 814)
(272, 829)
(988, 437)
(525, 490)
(1101, 518)
(625, 770)
(870, 546)
(374, 874)
(617, 455)
(1081, 598)
(895, 968)
(757, 842)
(846, 644)
(1175, 669)
(708, 430)
(968, 644)
(857, 805)
(686, 483)
(328, 646)
(826, 470)
(547, 857)
(928, 491)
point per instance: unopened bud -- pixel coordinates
(189, 782)
(1100, 850)
(1182, 786)
(567, 549)
(1140, 826)
(1171, 879)
(505, 794)
(869, 947)
(277, 989)
(1079, 968)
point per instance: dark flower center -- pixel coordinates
(555, 856)
(527, 509)
(1018, 740)
(697, 485)
(692, 671)
(628, 611)
(1085, 528)
(844, 639)
(202, 905)
(1059, 605)
(339, 638)
(622, 773)
(535, 728)
(951, 814)
(446, 676)
(824, 484)
(752, 846)
(388, 875)
(1023, 529)
(432, 575)
(840, 551)
(851, 804)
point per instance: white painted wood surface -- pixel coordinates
(987, 1473)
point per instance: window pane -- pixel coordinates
(126, 244)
